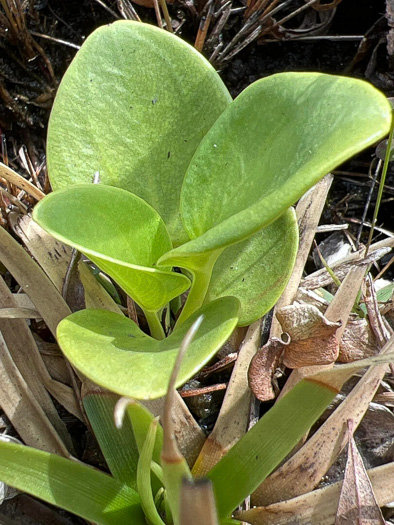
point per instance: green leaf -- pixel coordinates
(80, 489)
(257, 270)
(120, 233)
(118, 446)
(113, 352)
(383, 295)
(247, 171)
(136, 114)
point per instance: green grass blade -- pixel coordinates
(141, 419)
(138, 418)
(256, 455)
(118, 446)
(80, 489)
(144, 477)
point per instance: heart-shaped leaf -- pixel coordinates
(134, 105)
(119, 232)
(277, 139)
(113, 352)
(257, 270)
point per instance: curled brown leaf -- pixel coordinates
(313, 338)
(262, 368)
(358, 341)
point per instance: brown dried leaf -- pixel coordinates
(312, 337)
(27, 358)
(318, 507)
(308, 210)
(43, 294)
(189, 435)
(357, 503)
(53, 256)
(325, 7)
(358, 341)
(262, 369)
(233, 417)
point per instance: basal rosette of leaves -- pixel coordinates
(188, 179)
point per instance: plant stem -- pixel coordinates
(381, 186)
(202, 271)
(155, 326)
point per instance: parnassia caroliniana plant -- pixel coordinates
(189, 179)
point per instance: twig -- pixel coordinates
(127, 10)
(384, 269)
(294, 13)
(369, 198)
(371, 303)
(115, 15)
(158, 14)
(163, 5)
(381, 186)
(203, 28)
(331, 38)
(323, 228)
(56, 40)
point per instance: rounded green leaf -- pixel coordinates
(119, 232)
(134, 105)
(113, 352)
(257, 270)
(277, 139)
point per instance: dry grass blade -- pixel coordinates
(29, 362)
(33, 281)
(54, 362)
(319, 507)
(14, 178)
(197, 503)
(23, 301)
(19, 313)
(233, 418)
(45, 298)
(95, 295)
(127, 10)
(321, 278)
(308, 210)
(303, 471)
(20, 405)
(357, 501)
(189, 436)
(53, 256)
(381, 331)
